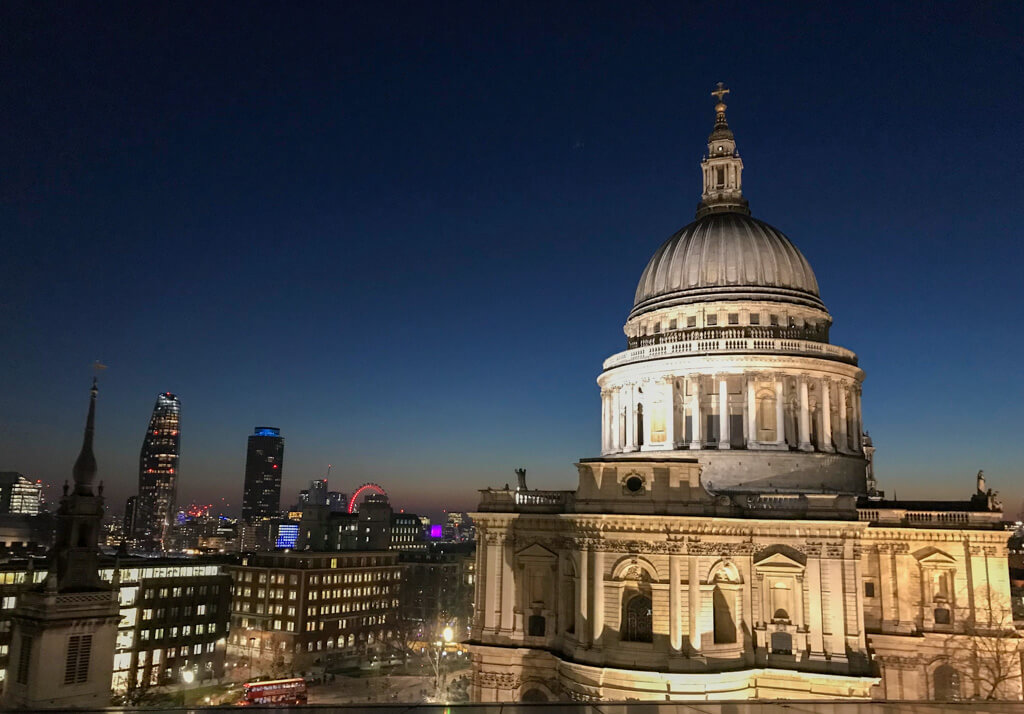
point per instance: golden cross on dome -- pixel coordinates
(720, 92)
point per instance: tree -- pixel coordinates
(987, 653)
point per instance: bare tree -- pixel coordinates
(989, 654)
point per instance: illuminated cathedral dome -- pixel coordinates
(728, 358)
(726, 256)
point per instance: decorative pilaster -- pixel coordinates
(491, 574)
(508, 590)
(675, 634)
(694, 593)
(583, 598)
(597, 616)
(858, 435)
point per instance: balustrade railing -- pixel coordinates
(733, 344)
(525, 500)
(768, 332)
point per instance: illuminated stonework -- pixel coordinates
(730, 542)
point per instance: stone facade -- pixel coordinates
(740, 607)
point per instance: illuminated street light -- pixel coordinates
(448, 634)
(188, 676)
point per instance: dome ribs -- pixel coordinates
(726, 256)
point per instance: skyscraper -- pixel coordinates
(318, 492)
(264, 463)
(158, 469)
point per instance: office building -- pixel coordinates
(264, 466)
(20, 495)
(292, 611)
(158, 471)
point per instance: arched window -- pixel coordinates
(638, 627)
(725, 624)
(946, 684)
(533, 694)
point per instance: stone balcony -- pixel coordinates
(526, 501)
(925, 514)
(732, 345)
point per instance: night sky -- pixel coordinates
(408, 234)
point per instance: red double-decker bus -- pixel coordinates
(275, 691)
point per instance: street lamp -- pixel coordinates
(252, 641)
(446, 636)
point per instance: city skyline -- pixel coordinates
(443, 283)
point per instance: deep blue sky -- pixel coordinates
(409, 233)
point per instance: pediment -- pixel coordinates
(780, 559)
(934, 556)
(536, 551)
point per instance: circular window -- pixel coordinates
(634, 484)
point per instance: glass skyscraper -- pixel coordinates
(264, 463)
(158, 470)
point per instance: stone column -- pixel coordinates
(805, 417)
(670, 413)
(695, 417)
(597, 615)
(616, 421)
(780, 411)
(826, 416)
(816, 628)
(694, 596)
(844, 435)
(723, 412)
(583, 598)
(675, 630)
(605, 422)
(751, 413)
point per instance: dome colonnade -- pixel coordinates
(753, 407)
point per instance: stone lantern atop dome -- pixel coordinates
(722, 167)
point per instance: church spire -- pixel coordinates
(76, 545)
(722, 167)
(84, 471)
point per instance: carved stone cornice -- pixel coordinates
(497, 680)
